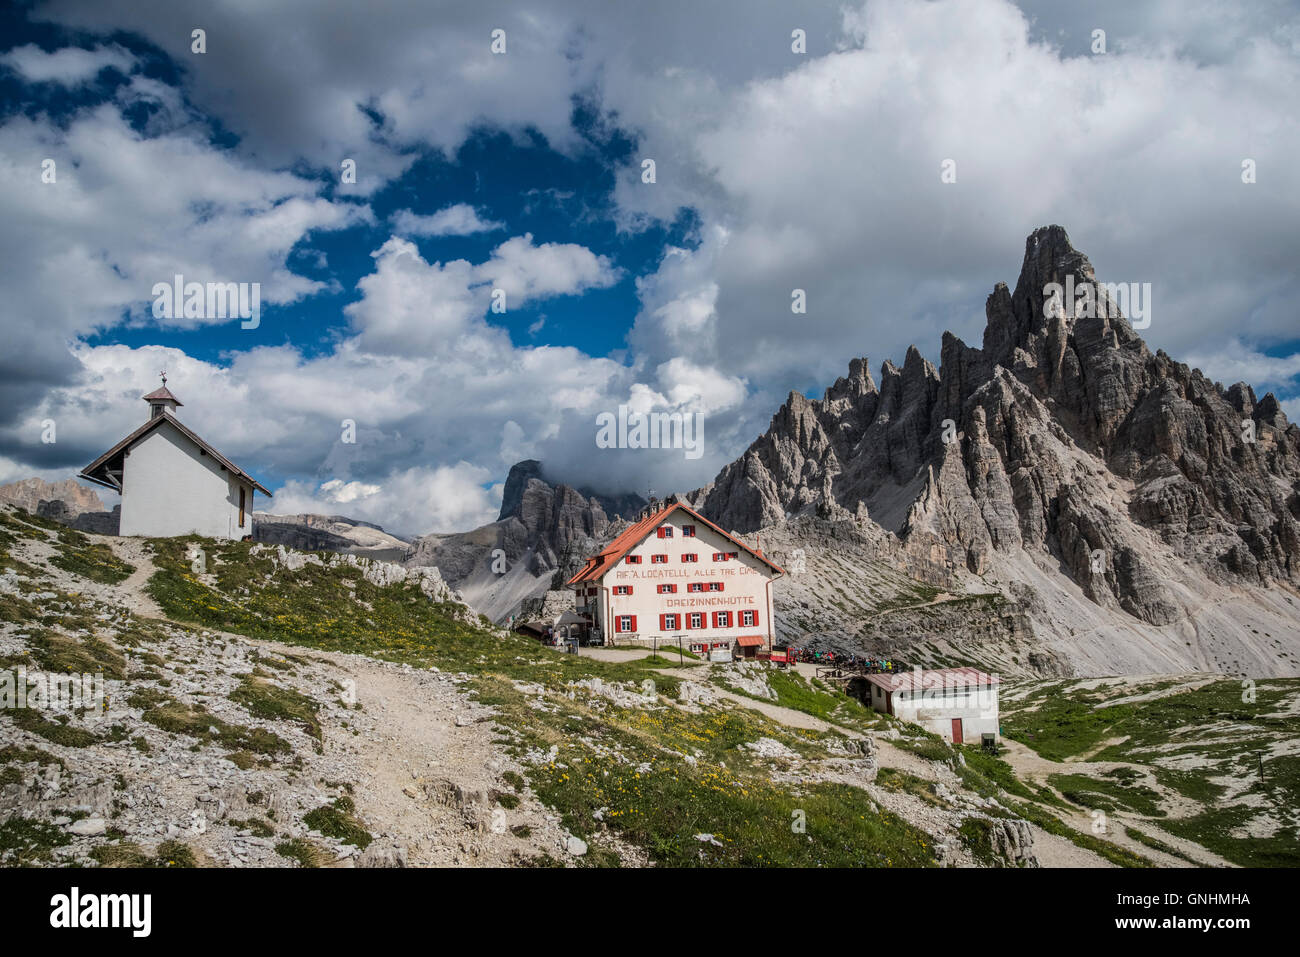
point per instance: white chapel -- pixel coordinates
(174, 483)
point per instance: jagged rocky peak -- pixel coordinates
(521, 474)
(857, 384)
(1063, 436)
(529, 476)
(544, 527)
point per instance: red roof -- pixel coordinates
(612, 553)
(162, 395)
(745, 641)
(934, 679)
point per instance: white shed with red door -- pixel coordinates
(958, 704)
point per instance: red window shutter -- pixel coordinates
(755, 619)
(634, 622)
(704, 619)
(662, 623)
(618, 623)
(715, 620)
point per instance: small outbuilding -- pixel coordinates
(958, 704)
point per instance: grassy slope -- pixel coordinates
(1204, 744)
(629, 764)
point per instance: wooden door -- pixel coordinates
(956, 731)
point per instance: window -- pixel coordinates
(749, 618)
(731, 555)
(715, 586)
(695, 620)
(625, 623)
(622, 589)
(634, 559)
(688, 531)
(667, 589)
(722, 619)
(659, 559)
(241, 506)
(719, 557)
(690, 557)
(695, 586)
(665, 531)
(668, 622)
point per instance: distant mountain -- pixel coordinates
(66, 501)
(328, 533)
(543, 530)
(521, 479)
(28, 493)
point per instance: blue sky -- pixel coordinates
(775, 170)
(520, 183)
